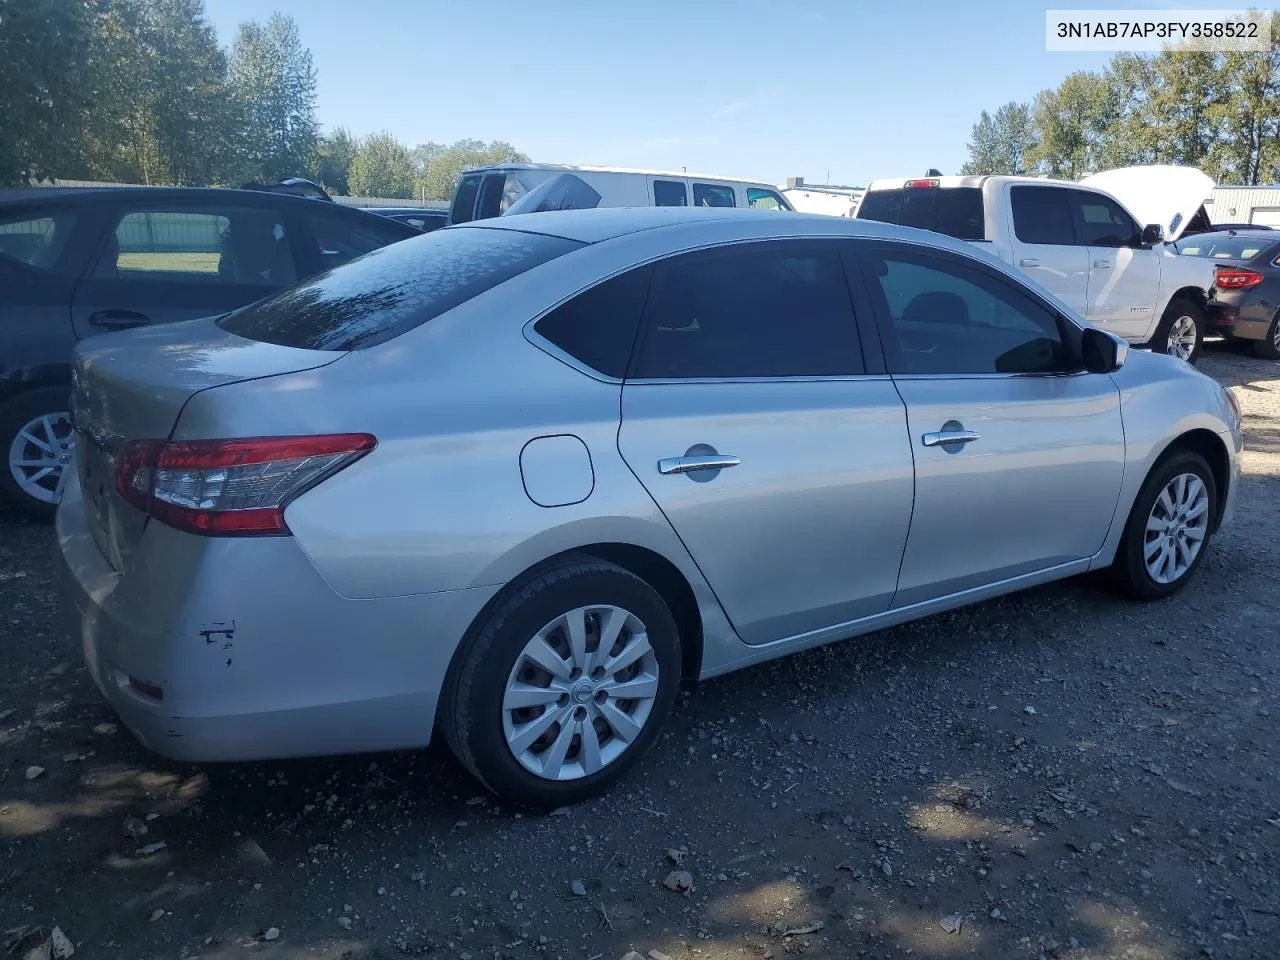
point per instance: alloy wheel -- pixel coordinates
(580, 693)
(1182, 338)
(1176, 528)
(40, 456)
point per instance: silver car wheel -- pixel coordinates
(40, 455)
(1275, 335)
(1176, 528)
(1182, 338)
(580, 693)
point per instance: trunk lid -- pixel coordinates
(133, 386)
(1157, 193)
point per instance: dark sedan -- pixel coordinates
(424, 219)
(1246, 301)
(75, 263)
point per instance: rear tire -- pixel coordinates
(586, 737)
(1169, 515)
(1269, 349)
(1181, 330)
(38, 447)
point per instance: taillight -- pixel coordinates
(231, 487)
(1236, 278)
(922, 183)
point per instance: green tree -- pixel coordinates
(1000, 145)
(273, 83)
(382, 167)
(445, 165)
(332, 164)
(1248, 151)
(1070, 122)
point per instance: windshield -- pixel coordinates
(1226, 246)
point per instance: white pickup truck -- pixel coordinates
(1114, 262)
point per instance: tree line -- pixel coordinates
(141, 91)
(1219, 112)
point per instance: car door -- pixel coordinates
(162, 262)
(1045, 246)
(1019, 454)
(1124, 276)
(765, 430)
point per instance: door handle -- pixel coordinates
(1028, 262)
(1102, 264)
(118, 319)
(944, 437)
(669, 465)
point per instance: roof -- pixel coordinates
(648, 173)
(60, 195)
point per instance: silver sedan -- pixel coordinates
(520, 479)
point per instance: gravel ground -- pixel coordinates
(1055, 774)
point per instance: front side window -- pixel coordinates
(36, 239)
(598, 327)
(1101, 222)
(764, 199)
(1043, 215)
(713, 195)
(779, 309)
(670, 193)
(945, 317)
(232, 245)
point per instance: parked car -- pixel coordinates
(501, 189)
(1246, 302)
(1105, 245)
(422, 219)
(1217, 227)
(77, 263)
(520, 479)
(293, 186)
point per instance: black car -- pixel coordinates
(75, 263)
(1246, 289)
(293, 186)
(424, 219)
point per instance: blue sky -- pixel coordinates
(749, 88)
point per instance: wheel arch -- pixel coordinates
(1211, 446)
(1197, 296)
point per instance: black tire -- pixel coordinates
(1267, 349)
(1180, 307)
(470, 712)
(1129, 571)
(14, 415)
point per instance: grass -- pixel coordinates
(169, 262)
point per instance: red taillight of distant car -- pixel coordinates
(231, 487)
(1236, 278)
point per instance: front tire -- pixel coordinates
(564, 684)
(1181, 330)
(38, 445)
(1169, 528)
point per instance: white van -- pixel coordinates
(511, 188)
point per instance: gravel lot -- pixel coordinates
(1059, 774)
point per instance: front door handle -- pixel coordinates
(1028, 262)
(944, 437)
(118, 319)
(687, 464)
(1102, 264)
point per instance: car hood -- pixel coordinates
(1157, 193)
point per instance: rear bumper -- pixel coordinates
(236, 649)
(1235, 323)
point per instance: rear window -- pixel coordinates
(1223, 247)
(382, 295)
(955, 211)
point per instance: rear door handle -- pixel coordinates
(118, 319)
(1102, 264)
(1028, 262)
(944, 437)
(669, 465)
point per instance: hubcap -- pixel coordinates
(1182, 338)
(580, 693)
(1176, 528)
(40, 456)
(1275, 335)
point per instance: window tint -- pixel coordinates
(945, 317)
(464, 200)
(713, 195)
(764, 199)
(36, 240)
(234, 245)
(670, 193)
(756, 310)
(492, 192)
(394, 289)
(1102, 222)
(598, 327)
(339, 239)
(1042, 215)
(955, 211)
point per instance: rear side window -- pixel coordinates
(713, 195)
(670, 193)
(394, 289)
(1042, 215)
(36, 239)
(464, 200)
(339, 239)
(956, 211)
(598, 328)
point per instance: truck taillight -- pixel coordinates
(231, 487)
(922, 183)
(1236, 278)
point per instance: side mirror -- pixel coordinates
(1152, 234)
(1103, 352)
